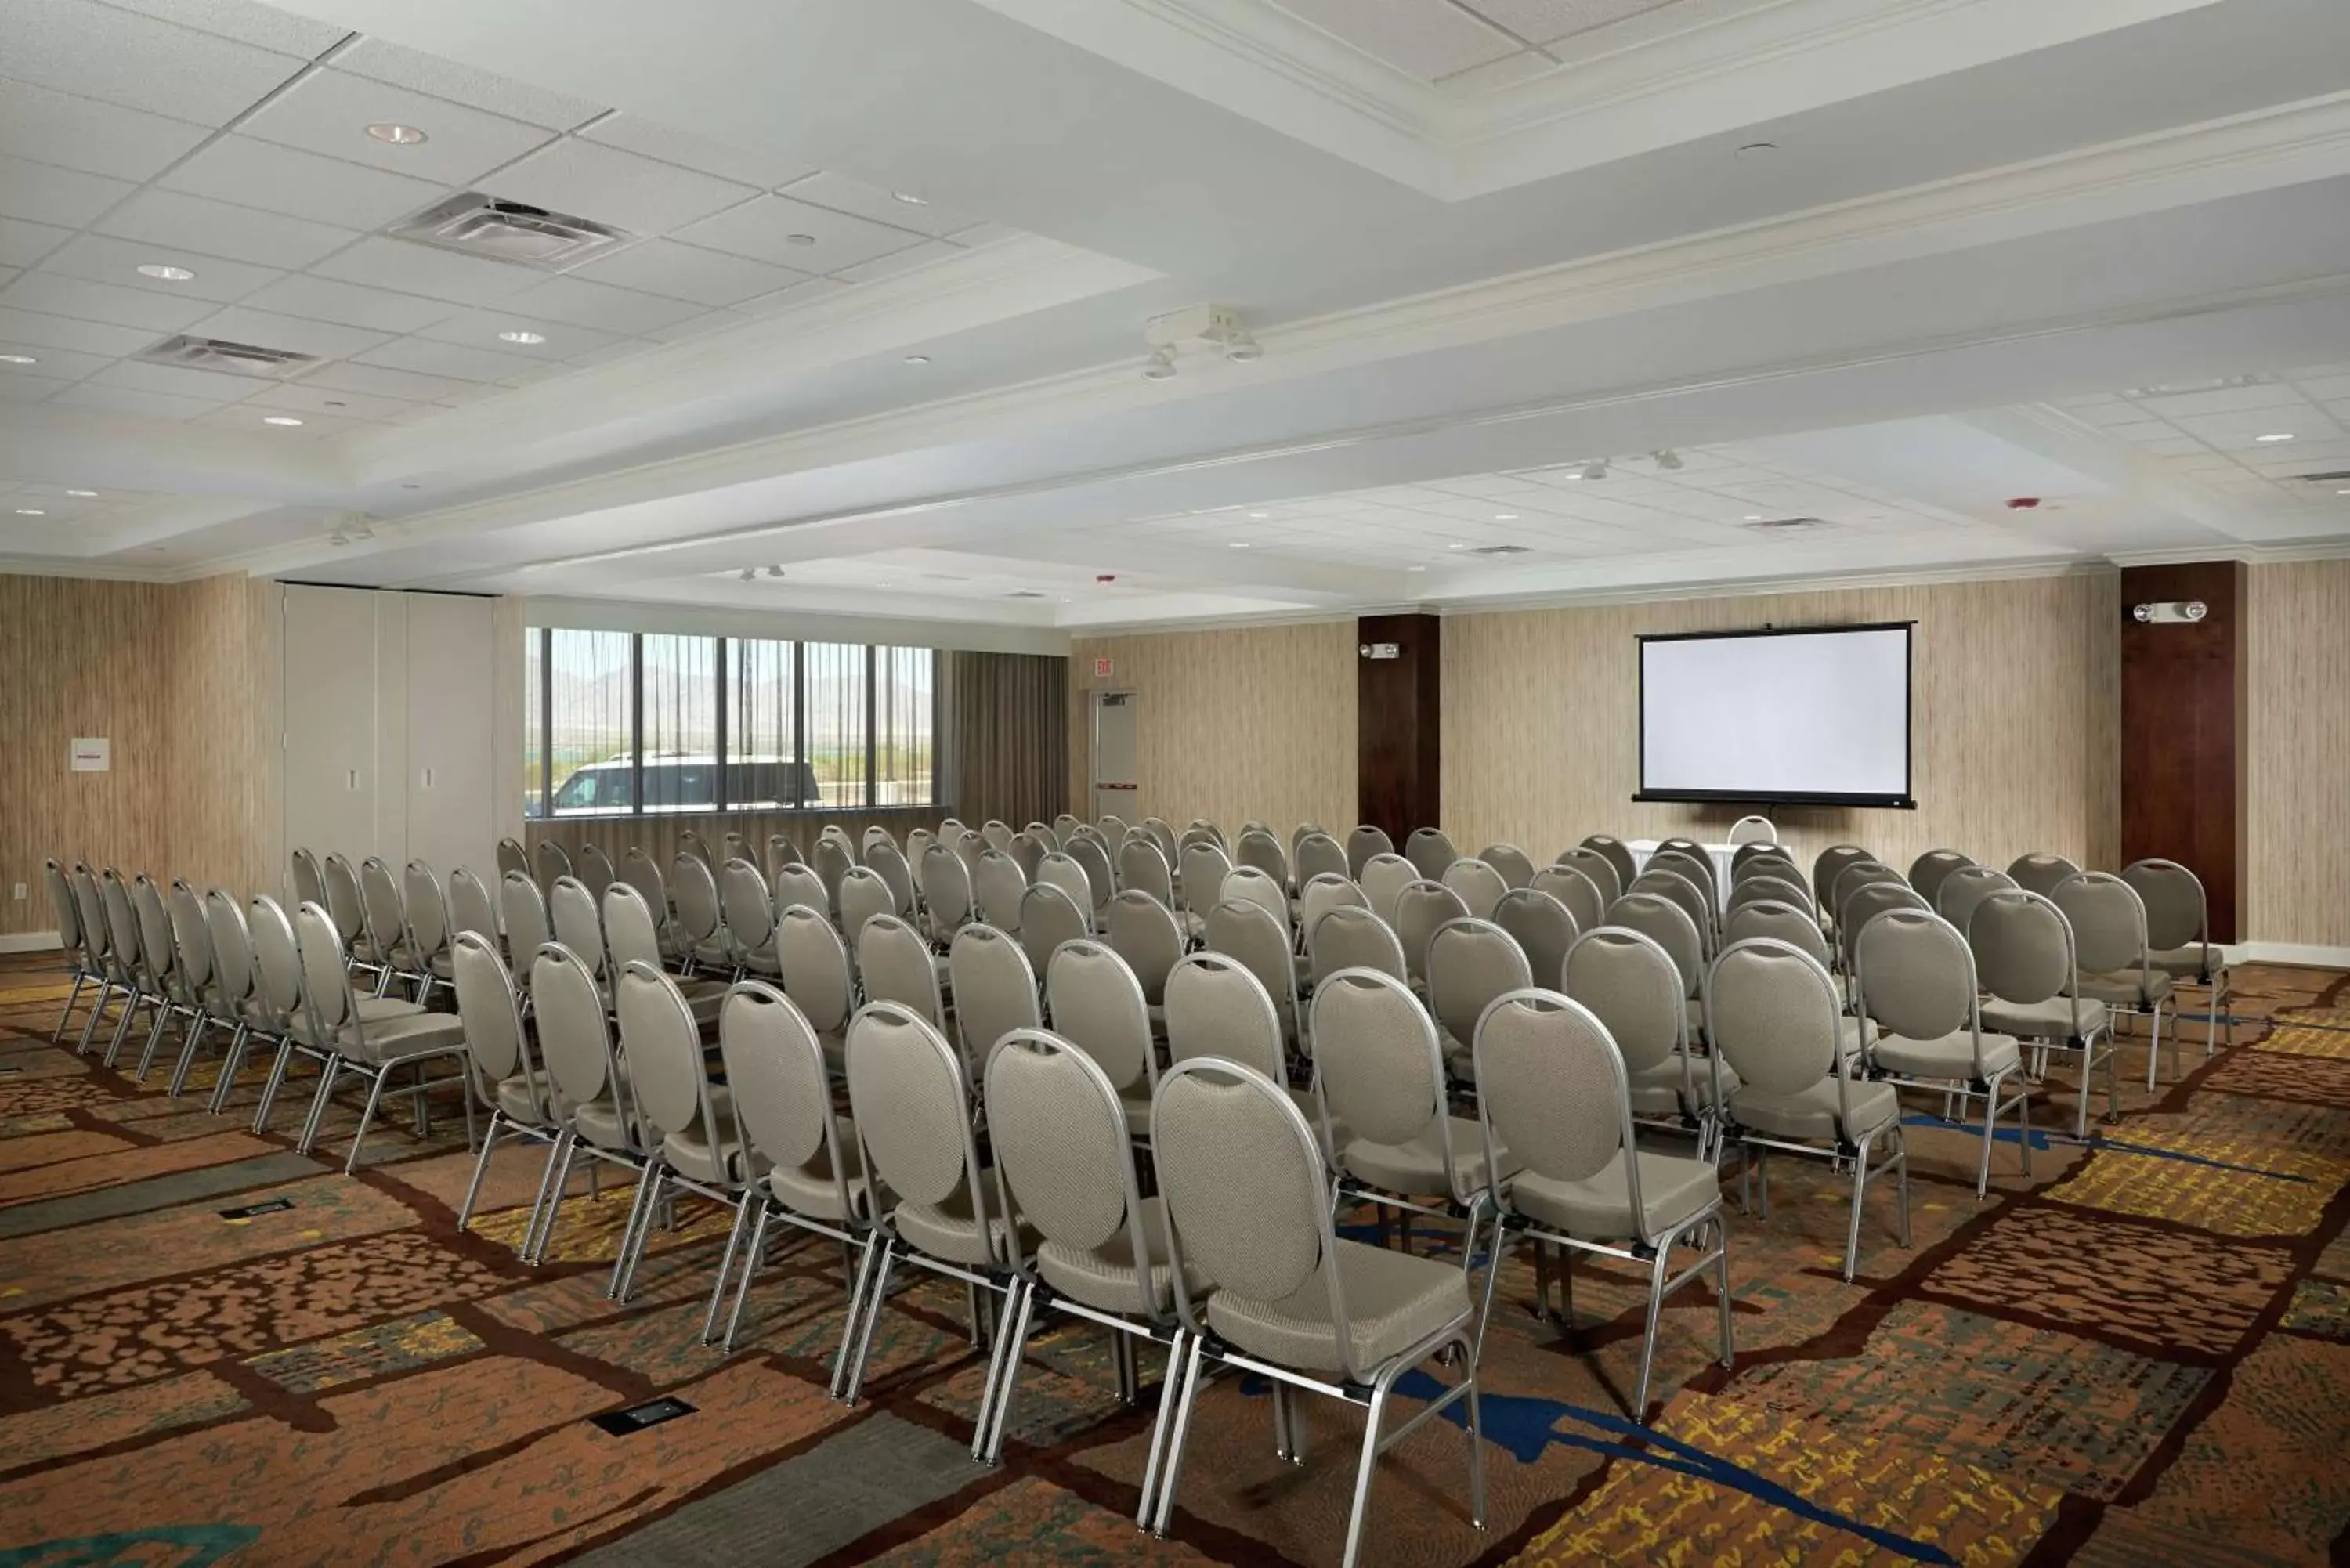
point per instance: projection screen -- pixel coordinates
(1810, 716)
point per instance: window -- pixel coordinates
(651, 722)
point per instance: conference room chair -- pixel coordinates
(1925, 872)
(1163, 834)
(1666, 922)
(430, 931)
(1321, 893)
(385, 907)
(1855, 876)
(1767, 890)
(691, 842)
(1259, 850)
(1697, 854)
(309, 879)
(1618, 855)
(819, 976)
(521, 908)
(1101, 881)
(472, 907)
(1142, 868)
(1479, 885)
(1863, 904)
(806, 1156)
(640, 870)
(1914, 977)
(1543, 928)
(1348, 936)
(872, 838)
(781, 851)
(1963, 888)
(1064, 825)
(886, 861)
(1094, 1002)
(1552, 1091)
(1384, 877)
(1049, 917)
(1782, 920)
(696, 1138)
(1430, 852)
(1217, 1007)
(951, 827)
(830, 861)
(347, 905)
(79, 955)
(373, 1050)
(897, 966)
(1751, 830)
(1419, 909)
(1363, 842)
(1200, 874)
(863, 895)
(2040, 872)
(1379, 1062)
(1143, 932)
(632, 936)
(277, 996)
(1112, 827)
(594, 1101)
(1263, 889)
(1065, 1174)
(1670, 881)
(1761, 849)
(1300, 833)
(797, 885)
(1516, 867)
(124, 960)
(912, 1107)
(510, 857)
(574, 920)
(946, 894)
(839, 836)
(160, 976)
(1580, 886)
(2109, 937)
(1828, 865)
(1028, 848)
(199, 1004)
(997, 833)
(234, 979)
(1245, 930)
(549, 860)
(700, 917)
(1774, 1018)
(997, 884)
(1316, 854)
(1248, 1207)
(1769, 860)
(507, 1076)
(1203, 830)
(595, 868)
(1470, 962)
(2026, 965)
(1062, 871)
(994, 993)
(2178, 933)
(98, 947)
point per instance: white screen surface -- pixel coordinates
(1780, 716)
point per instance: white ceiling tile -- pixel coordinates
(2172, 445)
(793, 297)
(385, 62)
(928, 253)
(688, 272)
(1494, 75)
(46, 194)
(461, 361)
(1420, 39)
(763, 230)
(602, 307)
(591, 180)
(979, 235)
(616, 348)
(479, 329)
(178, 380)
(329, 111)
(750, 166)
(104, 260)
(222, 229)
(1547, 21)
(855, 197)
(132, 400)
(65, 332)
(2227, 399)
(300, 398)
(22, 389)
(324, 299)
(410, 268)
(700, 326)
(52, 363)
(375, 380)
(2324, 389)
(23, 243)
(96, 137)
(254, 417)
(254, 173)
(87, 301)
(319, 340)
(246, 21)
(99, 51)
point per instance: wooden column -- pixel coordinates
(2183, 709)
(1399, 705)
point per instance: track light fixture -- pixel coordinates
(1161, 366)
(1596, 469)
(1217, 328)
(1667, 459)
(749, 573)
(774, 571)
(1242, 349)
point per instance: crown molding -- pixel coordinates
(102, 571)
(2249, 553)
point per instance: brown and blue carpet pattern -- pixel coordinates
(2140, 1354)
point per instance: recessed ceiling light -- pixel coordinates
(2275, 436)
(1240, 543)
(398, 135)
(1755, 517)
(17, 359)
(280, 420)
(168, 274)
(1415, 569)
(1505, 516)
(1456, 546)
(2342, 492)
(909, 198)
(1259, 516)
(30, 512)
(518, 336)
(799, 239)
(918, 359)
(85, 494)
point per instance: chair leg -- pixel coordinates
(1476, 1442)
(1184, 1399)
(879, 1296)
(67, 1016)
(1990, 1134)
(1493, 1278)
(1901, 1144)
(155, 1042)
(1012, 1346)
(2113, 1081)
(328, 1072)
(859, 1286)
(276, 1081)
(2024, 1125)
(1722, 1266)
(240, 1041)
(726, 1263)
(367, 1114)
(558, 1178)
(1852, 1231)
(1364, 1469)
(97, 1012)
(751, 1262)
(181, 1068)
(122, 1027)
(1177, 1350)
(481, 1169)
(2088, 1072)
(1657, 1268)
(641, 1213)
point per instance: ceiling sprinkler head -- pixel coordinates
(1161, 366)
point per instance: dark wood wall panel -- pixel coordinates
(2182, 745)
(1401, 724)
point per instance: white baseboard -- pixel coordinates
(2300, 954)
(28, 942)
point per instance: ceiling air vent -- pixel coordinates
(1023, 594)
(192, 353)
(1499, 550)
(483, 225)
(2339, 476)
(1786, 524)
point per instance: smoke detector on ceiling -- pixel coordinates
(482, 225)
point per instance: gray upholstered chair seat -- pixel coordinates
(692, 1156)
(703, 997)
(515, 1100)
(2049, 1019)
(1136, 1103)
(443, 966)
(2186, 964)
(2125, 990)
(1106, 1279)
(1599, 1208)
(1658, 1090)
(947, 1231)
(1394, 1301)
(1416, 1168)
(762, 962)
(714, 954)
(1812, 1113)
(399, 1039)
(808, 1190)
(1951, 1056)
(599, 1123)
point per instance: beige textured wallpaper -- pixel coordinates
(1233, 724)
(2016, 687)
(2297, 829)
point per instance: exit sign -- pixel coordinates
(1101, 669)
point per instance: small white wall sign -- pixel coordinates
(92, 753)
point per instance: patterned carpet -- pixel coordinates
(2141, 1355)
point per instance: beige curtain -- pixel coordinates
(1004, 744)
